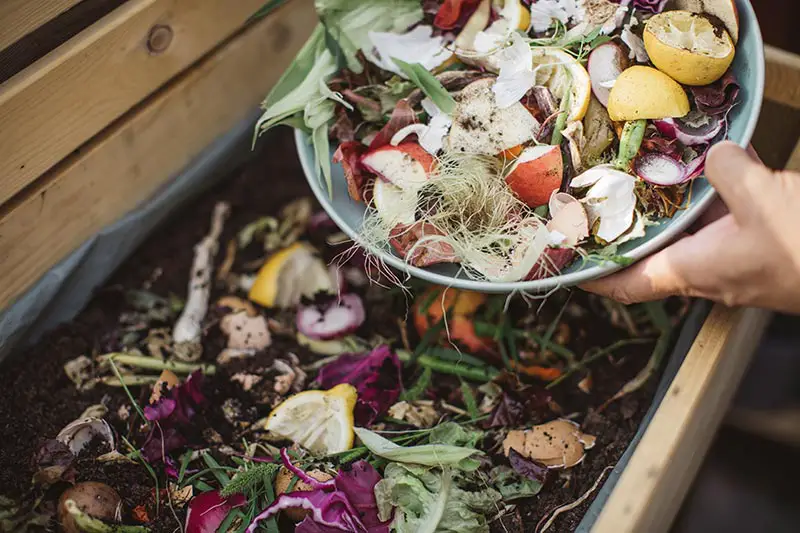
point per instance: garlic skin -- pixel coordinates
(610, 201)
(416, 46)
(79, 433)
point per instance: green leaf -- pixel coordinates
(511, 485)
(420, 386)
(267, 8)
(435, 500)
(428, 84)
(455, 434)
(252, 478)
(469, 400)
(427, 454)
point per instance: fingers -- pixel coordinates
(651, 279)
(735, 175)
(715, 211)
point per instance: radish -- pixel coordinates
(406, 165)
(660, 169)
(606, 63)
(692, 130)
(330, 320)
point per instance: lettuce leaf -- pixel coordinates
(434, 500)
(426, 454)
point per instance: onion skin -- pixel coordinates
(336, 319)
(675, 129)
(207, 510)
(97, 500)
(660, 169)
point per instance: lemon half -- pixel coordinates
(290, 274)
(320, 421)
(688, 47)
(646, 93)
(563, 74)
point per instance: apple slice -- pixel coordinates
(393, 204)
(724, 10)
(538, 172)
(406, 165)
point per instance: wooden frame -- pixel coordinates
(130, 159)
(655, 481)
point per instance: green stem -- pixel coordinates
(129, 380)
(629, 143)
(583, 363)
(563, 115)
(128, 391)
(471, 373)
(92, 525)
(152, 363)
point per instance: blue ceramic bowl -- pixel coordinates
(749, 69)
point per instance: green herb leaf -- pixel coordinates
(420, 386)
(427, 454)
(428, 84)
(469, 400)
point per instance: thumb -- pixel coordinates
(737, 177)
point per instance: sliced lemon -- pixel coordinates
(563, 74)
(518, 17)
(646, 93)
(320, 421)
(688, 47)
(290, 274)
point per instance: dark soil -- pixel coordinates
(37, 399)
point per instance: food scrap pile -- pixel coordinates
(284, 391)
(512, 137)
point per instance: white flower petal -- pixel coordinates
(544, 11)
(510, 88)
(417, 46)
(636, 44)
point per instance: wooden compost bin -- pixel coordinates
(102, 101)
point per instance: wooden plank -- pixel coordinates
(61, 101)
(20, 17)
(653, 485)
(782, 83)
(128, 162)
(38, 43)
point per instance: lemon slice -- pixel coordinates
(290, 274)
(320, 421)
(646, 93)
(518, 17)
(563, 74)
(688, 47)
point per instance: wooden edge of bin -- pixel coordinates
(20, 17)
(65, 98)
(135, 156)
(655, 481)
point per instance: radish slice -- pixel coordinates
(692, 130)
(606, 63)
(695, 167)
(336, 318)
(660, 169)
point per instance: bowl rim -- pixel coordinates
(545, 285)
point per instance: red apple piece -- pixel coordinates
(406, 165)
(538, 172)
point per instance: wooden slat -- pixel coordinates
(782, 82)
(666, 460)
(20, 17)
(61, 101)
(131, 160)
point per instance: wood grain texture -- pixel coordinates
(131, 160)
(666, 460)
(20, 17)
(36, 44)
(61, 101)
(782, 82)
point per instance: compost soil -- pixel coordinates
(37, 399)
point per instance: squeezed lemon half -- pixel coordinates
(646, 93)
(320, 421)
(688, 47)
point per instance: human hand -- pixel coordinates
(749, 256)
